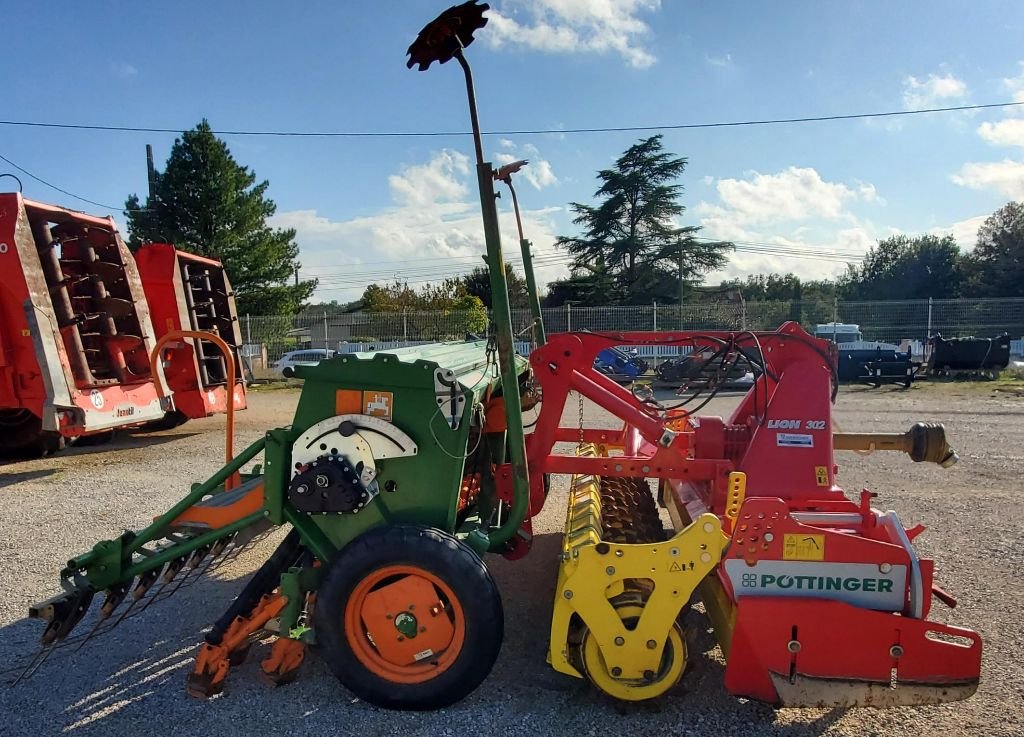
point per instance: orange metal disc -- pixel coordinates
(404, 624)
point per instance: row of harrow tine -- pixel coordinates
(76, 603)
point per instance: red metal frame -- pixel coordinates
(164, 272)
(74, 326)
(780, 436)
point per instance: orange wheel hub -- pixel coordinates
(404, 624)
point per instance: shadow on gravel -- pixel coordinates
(127, 441)
(698, 705)
(102, 686)
(131, 681)
(10, 479)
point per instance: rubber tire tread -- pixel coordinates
(450, 560)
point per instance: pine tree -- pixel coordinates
(632, 234)
(206, 203)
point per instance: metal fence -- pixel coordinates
(893, 322)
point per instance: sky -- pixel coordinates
(372, 209)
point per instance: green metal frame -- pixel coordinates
(426, 486)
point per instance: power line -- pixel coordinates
(27, 173)
(356, 279)
(344, 268)
(433, 274)
(549, 257)
(329, 273)
(544, 258)
(521, 132)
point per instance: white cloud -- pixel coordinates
(435, 181)
(806, 260)
(805, 218)
(538, 172)
(574, 26)
(123, 70)
(1015, 86)
(932, 92)
(793, 194)
(890, 124)
(719, 61)
(1008, 132)
(965, 232)
(868, 193)
(435, 215)
(1005, 177)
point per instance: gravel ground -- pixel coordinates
(131, 681)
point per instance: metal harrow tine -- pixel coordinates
(142, 585)
(171, 570)
(192, 565)
(35, 664)
(114, 598)
(213, 556)
(212, 562)
(183, 572)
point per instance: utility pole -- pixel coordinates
(150, 169)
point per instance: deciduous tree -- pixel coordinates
(996, 266)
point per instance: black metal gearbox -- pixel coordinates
(330, 485)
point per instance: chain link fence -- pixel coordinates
(899, 322)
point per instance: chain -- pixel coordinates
(581, 419)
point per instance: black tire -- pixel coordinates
(287, 372)
(22, 436)
(450, 561)
(49, 443)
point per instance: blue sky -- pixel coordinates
(368, 209)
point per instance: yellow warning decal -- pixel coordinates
(821, 474)
(803, 547)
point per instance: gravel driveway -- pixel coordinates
(131, 681)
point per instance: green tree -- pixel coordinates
(768, 287)
(206, 203)
(906, 267)
(996, 266)
(632, 233)
(478, 283)
(590, 288)
(442, 311)
(394, 297)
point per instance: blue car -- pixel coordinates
(620, 364)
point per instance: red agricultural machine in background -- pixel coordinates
(76, 331)
(189, 292)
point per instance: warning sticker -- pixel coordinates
(821, 475)
(803, 547)
(794, 440)
(378, 404)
